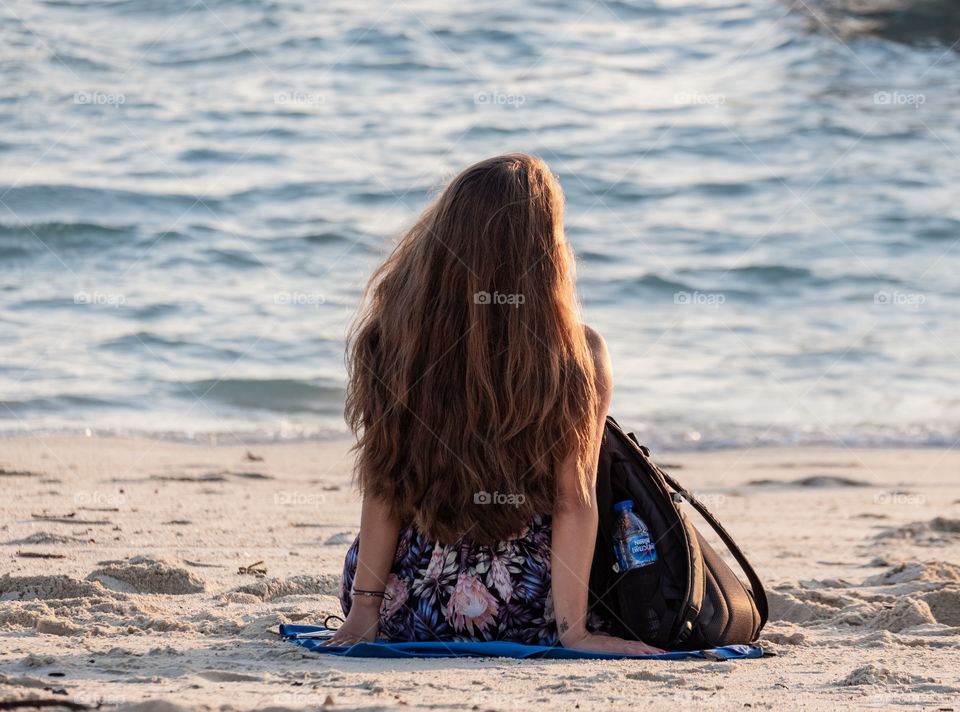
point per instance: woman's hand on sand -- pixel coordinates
(362, 625)
(599, 643)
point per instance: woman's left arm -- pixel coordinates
(575, 533)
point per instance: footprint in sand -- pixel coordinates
(307, 585)
(778, 638)
(908, 595)
(340, 539)
(226, 676)
(45, 588)
(944, 605)
(915, 572)
(145, 575)
(939, 531)
(876, 675)
(811, 482)
(905, 613)
(47, 538)
(799, 606)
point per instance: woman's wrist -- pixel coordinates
(367, 603)
(570, 633)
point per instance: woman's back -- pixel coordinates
(470, 370)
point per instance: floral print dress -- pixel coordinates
(466, 591)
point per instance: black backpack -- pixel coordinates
(689, 598)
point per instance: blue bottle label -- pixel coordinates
(642, 551)
(635, 550)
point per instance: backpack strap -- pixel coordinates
(759, 595)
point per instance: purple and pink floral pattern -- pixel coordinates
(466, 591)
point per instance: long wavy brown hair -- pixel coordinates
(470, 374)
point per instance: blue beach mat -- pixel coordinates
(311, 637)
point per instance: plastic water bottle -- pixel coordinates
(632, 543)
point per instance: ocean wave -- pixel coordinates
(78, 62)
(226, 257)
(42, 199)
(232, 158)
(21, 241)
(56, 404)
(155, 7)
(937, 229)
(142, 339)
(13, 252)
(646, 284)
(177, 58)
(907, 21)
(283, 395)
(773, 274)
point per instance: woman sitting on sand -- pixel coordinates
(478, 399)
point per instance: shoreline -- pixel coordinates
(257, 439)
(859, 548)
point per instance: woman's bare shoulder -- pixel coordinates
(594, 339)
(601, 359)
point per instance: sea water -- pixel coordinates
(762, 196)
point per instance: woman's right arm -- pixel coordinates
(379, 532)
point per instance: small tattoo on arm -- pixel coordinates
(563, 626)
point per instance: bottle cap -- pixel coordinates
(624, 506)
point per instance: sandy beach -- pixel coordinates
(149, 593)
